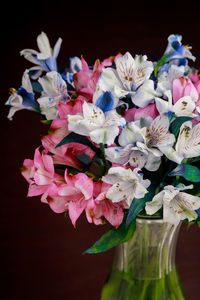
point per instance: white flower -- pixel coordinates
(45, 60)
(100, 127)
(23, 98)
(133, 71)
(126, 184)
(145, 94)
(188, 143)
(142, 143)
(183, 107)
(54, 91)
(128, 77)
(166, 78)
(177, 205)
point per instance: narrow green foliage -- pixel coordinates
(80, 139)
(160, 63)
(113, 237)
(47, 122)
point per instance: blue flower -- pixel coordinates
(23, 98)
(105, 102)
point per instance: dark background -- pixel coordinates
(41, 253)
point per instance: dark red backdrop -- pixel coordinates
(41, 252)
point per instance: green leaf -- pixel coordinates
(113, 237)
(138, 205)
(36, 86)
(176, 124)
(84, 158)
(160, 63)
(62, 168)
(47, 122)
(194, 159)
(80, 139)
(189, 172)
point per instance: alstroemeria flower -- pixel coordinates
(167, 77)
(77, 190)
(184, 106)
(184, 87)
(45, 60)
(23, 98)
(157, 137)
(177, 205)
(126, 184)
(176, 50)
(133, 71)
(57, 203)
(100, 127)
(188, 143)
(40, 174)
(54, 92)
(142, 144)
(85, 80)
(130, 75)
(134, 114)
(100, 207)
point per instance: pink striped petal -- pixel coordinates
(35, 190)
(76, 209)
(183, 87)
(58, 204)
(70, 108)
(48, 163)
(142, 112)
(38, 158)
(113, 212)
(84, 184)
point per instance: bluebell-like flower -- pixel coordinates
(175, 53)
(176, 50)
(45, 60)
(23, 98)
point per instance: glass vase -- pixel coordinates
(144, 267)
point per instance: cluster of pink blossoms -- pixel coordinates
(67, 192)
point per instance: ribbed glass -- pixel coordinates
(144, 267)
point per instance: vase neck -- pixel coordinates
(150, 253)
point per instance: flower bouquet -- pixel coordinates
(123, 142)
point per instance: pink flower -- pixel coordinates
(57, 203)
(85, 80)
(100, 207)
(184, 87)
(44, 181)
(77, 190)
(134, 114)
(71, 107)
(65, 154)
(196, 81)
(194, 77)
